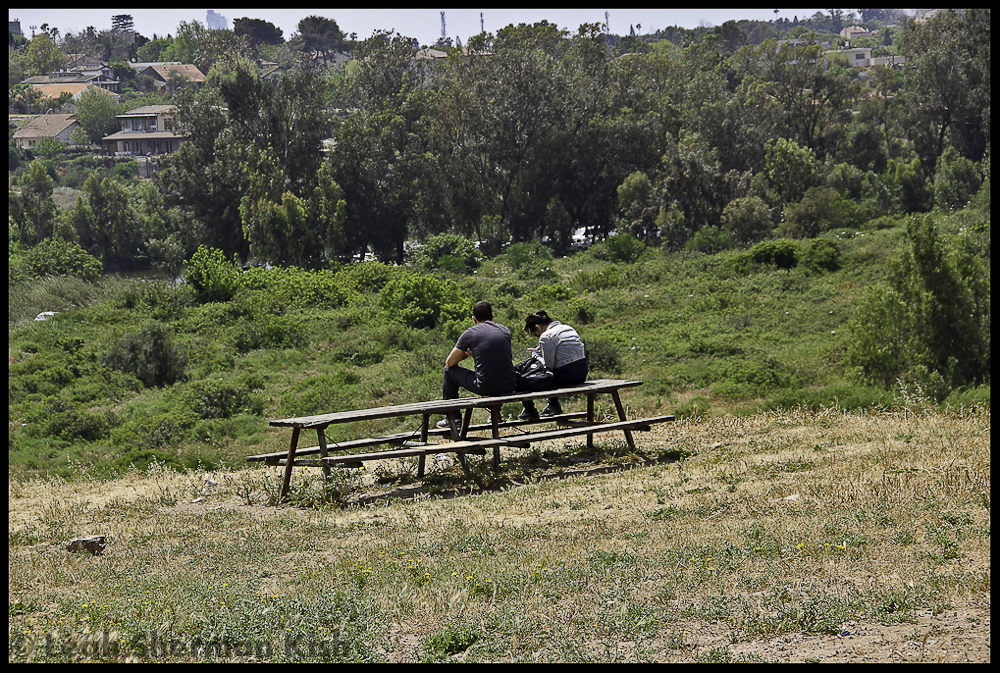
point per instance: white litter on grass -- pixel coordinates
(44, 315)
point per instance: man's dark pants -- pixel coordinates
(459, 377)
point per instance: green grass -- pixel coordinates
(704, 334)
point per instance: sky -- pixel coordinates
(423, 24)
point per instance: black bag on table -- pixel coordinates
(533, 376)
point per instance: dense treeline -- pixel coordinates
(530, 133)
(534, 134)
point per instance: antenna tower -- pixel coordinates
(444, 33)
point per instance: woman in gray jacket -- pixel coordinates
(561, 348)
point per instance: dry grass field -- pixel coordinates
(786, 537)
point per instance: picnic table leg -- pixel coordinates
(422, 459)
(466, 422)
(590, 419)
(621, 416)
(288, 464)
(323, 451)
(495, 422)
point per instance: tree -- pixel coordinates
(43, 56)
(322, 35)
(930, 323)
(956, 181)
(33, 211)
(153, 50)
(97, 113)
(122, 23)
(292, 230)
(381, 160)
(48, 147)
(814, 103)
(948, 88)
(230, 128)
(106, 225)
(790, 167)
(747, 219)
(259, 31)
(494, 121)
(637, 205)
(204, 180)
(821, 209)
(186, 45)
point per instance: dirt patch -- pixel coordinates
(960, 634)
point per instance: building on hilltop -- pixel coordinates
(58, 126)
(168, 75)
(146, 130)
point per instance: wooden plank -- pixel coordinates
(478, 447)
(638, 424)
(398, 438)
(443, 406)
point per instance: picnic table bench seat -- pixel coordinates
(416, 443)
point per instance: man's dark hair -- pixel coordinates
(535, 319)
(482, 311)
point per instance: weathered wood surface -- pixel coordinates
(461, 444)
(433, 407)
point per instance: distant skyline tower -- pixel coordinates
(482, 26)
(216, 21)
(444, 33)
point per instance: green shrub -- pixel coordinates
(753, 378)
(449, 252)
(213, 277)
(709, 240)
(747, 219)
(142, 458)
(781, 253)
(424, 301)
(269, 331)
(450, 641)
(956, 181)
(54, 257)
(292, 286)
(930, 324)
(368, 276)
(581, 310)
(821, 255)
(550, 294)
(159, 431)
(845, 396)
(620, 248)
(528, 261)
(216, 399)
(970, 396)
(72, 422)
(520, 255)
(697, 406)
(587, 281)
(149, 354)
(603, 356)
(821, 209)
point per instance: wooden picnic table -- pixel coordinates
(416, 443)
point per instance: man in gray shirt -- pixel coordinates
(489, 345)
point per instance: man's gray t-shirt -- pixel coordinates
(490, 345)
